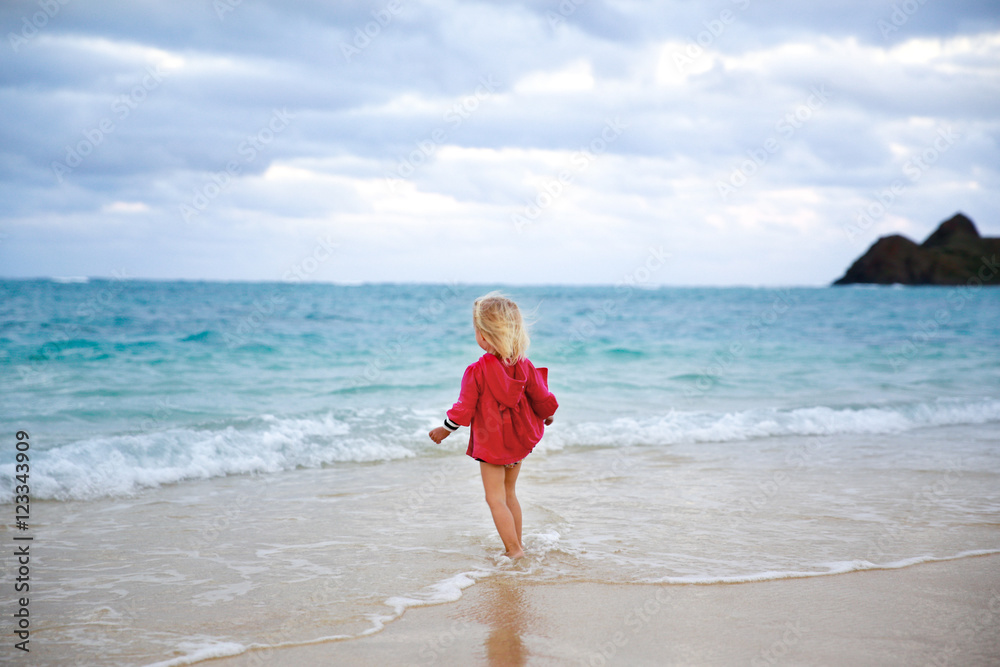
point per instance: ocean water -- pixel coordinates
(223, 468)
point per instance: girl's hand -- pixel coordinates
(548, 421)
(439, 434)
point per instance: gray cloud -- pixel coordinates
(389, 130)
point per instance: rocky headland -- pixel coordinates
(955, 254)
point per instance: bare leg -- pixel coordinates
(496, 497)
(509, 480)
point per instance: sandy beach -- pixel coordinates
(945, 613)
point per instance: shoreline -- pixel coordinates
(933, 613)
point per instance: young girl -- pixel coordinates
(507, 403)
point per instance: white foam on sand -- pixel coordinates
(834, 568)
(199, 652)
(449, 589)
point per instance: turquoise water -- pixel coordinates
(224, 467)
(207, 379)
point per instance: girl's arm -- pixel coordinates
(461, 413)
(542, 401)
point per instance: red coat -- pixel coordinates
(506, 407)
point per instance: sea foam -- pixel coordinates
(834, 568)
(678, 427)
(121, 465)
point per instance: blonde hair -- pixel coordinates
(499, 321)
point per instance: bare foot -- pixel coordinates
(514, 555)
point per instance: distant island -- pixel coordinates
(955, 254)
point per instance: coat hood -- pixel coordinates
(506, 389)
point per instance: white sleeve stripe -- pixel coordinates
(450, 425)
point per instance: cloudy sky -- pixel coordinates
(685, 143)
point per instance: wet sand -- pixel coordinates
(943, 613)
